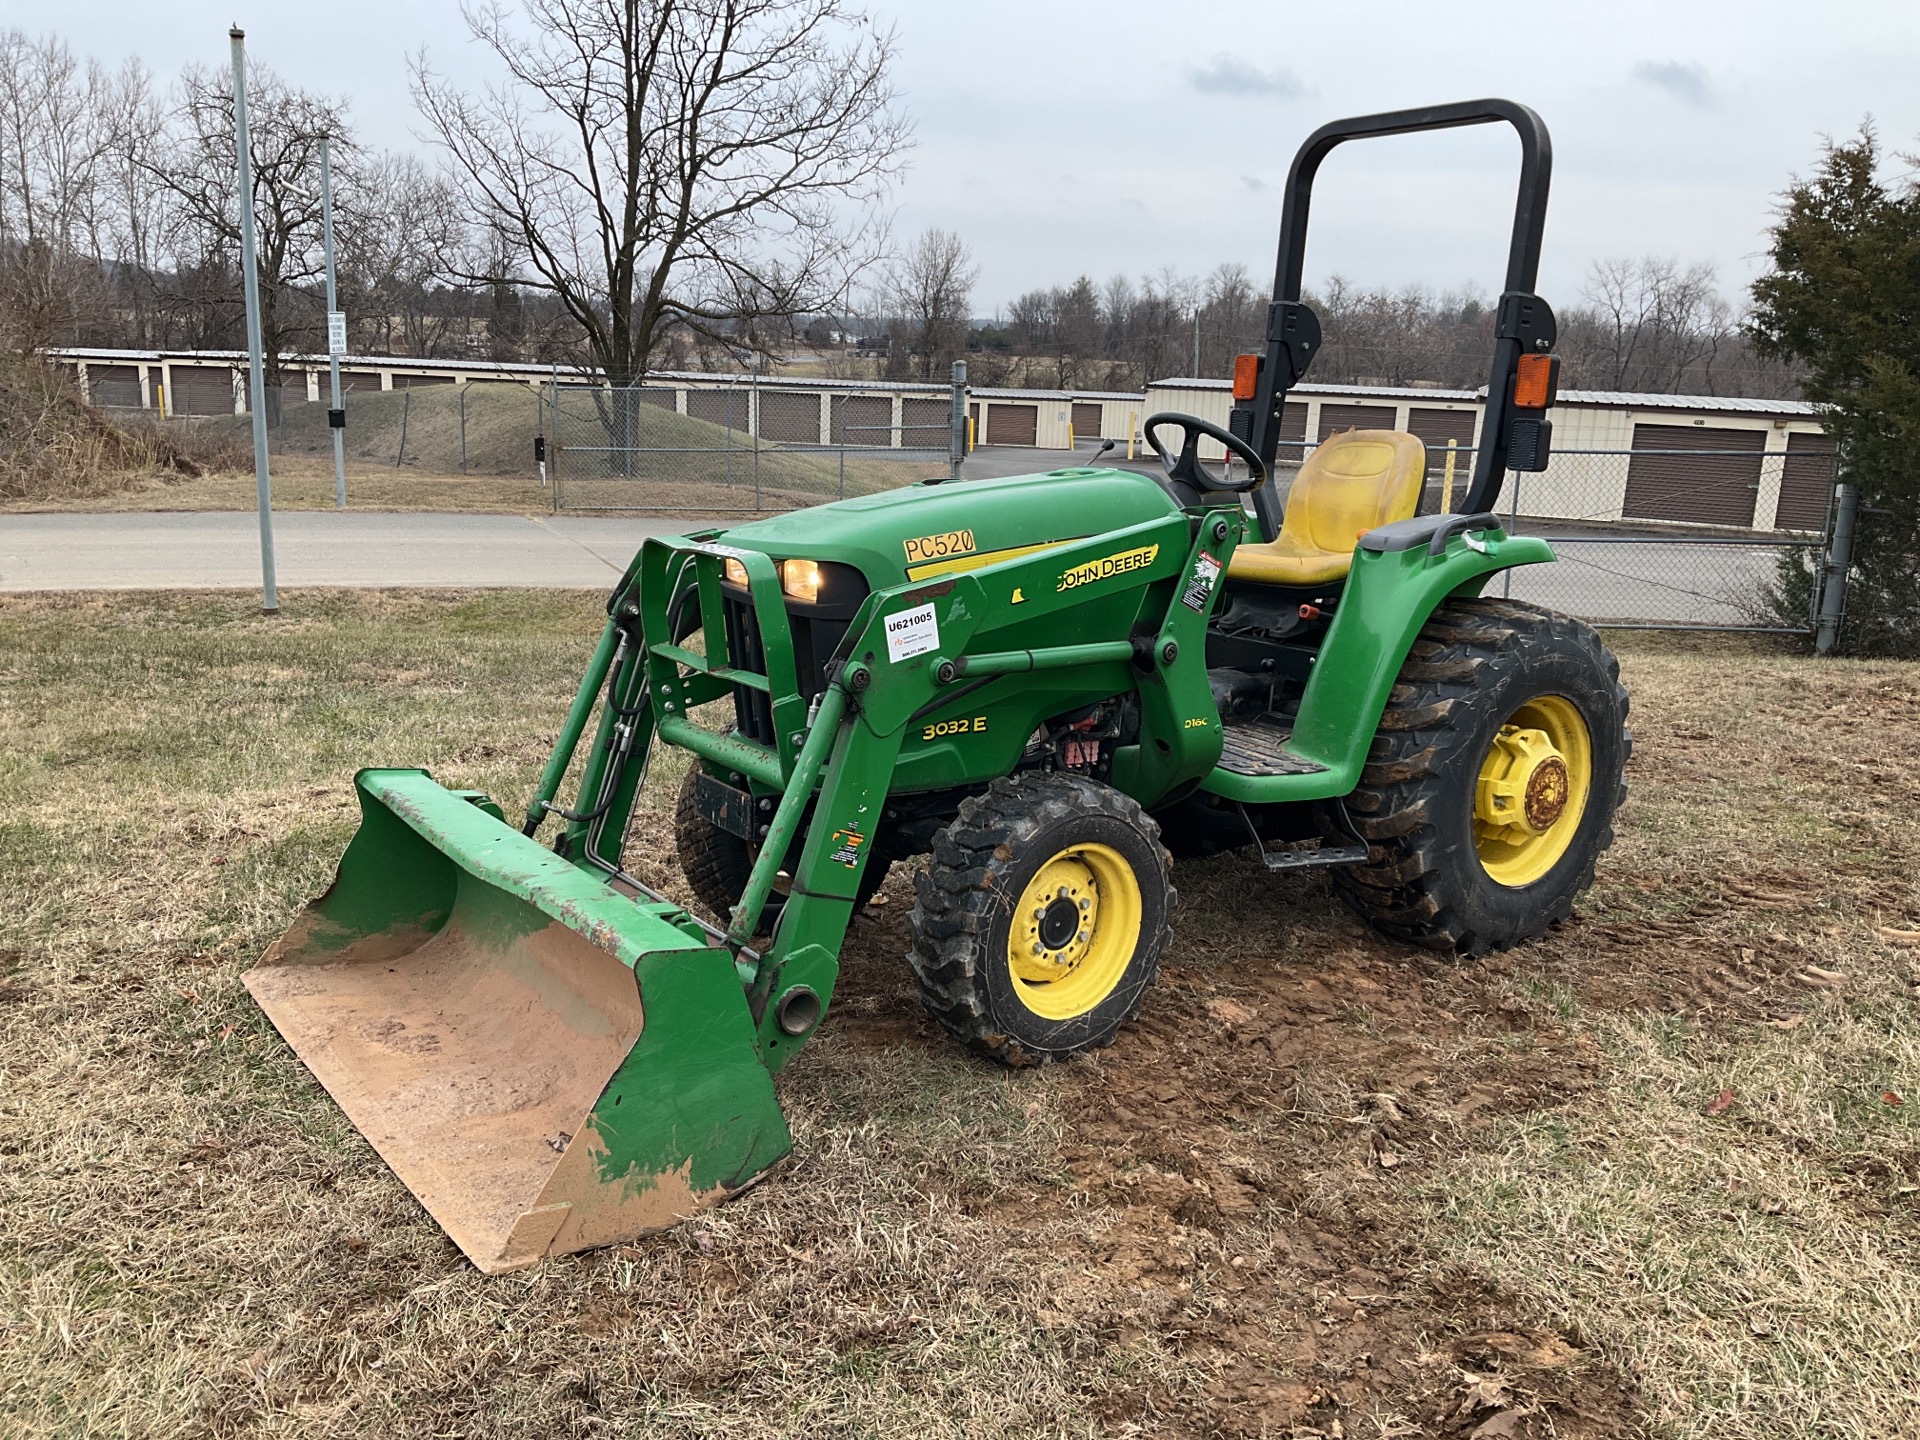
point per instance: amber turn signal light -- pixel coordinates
(1536, 381)
(1246, 376)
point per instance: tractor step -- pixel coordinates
(1259, 748)
(1312, 852)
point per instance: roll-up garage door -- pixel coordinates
(788, 415)
(1806, 483)
(1012, 424)
(926, 424)
(114, 386)
(726, 408)
(1720, 488)
(200, 390)
(862, 420)
(1087, 420)
(1335, 418)
(1436, 427)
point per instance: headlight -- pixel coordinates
(800, 579)
(736, 573)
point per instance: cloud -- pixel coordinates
(1686, 83)
(1228, 75)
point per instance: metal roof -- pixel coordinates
(1611, 399)
(998, 392)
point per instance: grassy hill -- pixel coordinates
(589, 458)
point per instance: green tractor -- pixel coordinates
(1039, 684)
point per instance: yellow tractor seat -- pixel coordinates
(1352, 482)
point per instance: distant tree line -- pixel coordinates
(719, 202)
(1647, 325)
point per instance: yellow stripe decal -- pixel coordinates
(955, 564)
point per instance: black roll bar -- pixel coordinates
(1524, 323)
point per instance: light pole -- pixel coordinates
(256, 376)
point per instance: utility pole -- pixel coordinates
(1196, 344)
(337, 343)
(256, 374)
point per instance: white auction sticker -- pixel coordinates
(911, 633)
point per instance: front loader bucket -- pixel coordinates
(546, 1064)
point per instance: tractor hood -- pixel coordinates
(920, 531)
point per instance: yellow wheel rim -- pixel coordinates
(1074, 931)
(1532, 790)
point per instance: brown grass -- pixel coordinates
(1322, 1182)
(56, 449)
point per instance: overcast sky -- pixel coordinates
(1069, 136)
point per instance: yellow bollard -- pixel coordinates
(1446, 488)
(1133, 430)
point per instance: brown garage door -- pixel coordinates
(1714, 489)
(415, 382)
(1087, 420)
(116, 386)
(1335, 418)
(1013, 424)
(926, 424)
(862, 420)
(1806, 483)
(727, 407)
(1437, 427)
(200, 391)
(786, 415)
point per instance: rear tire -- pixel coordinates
(1487, 682)
(716, 862)
(1038, 925)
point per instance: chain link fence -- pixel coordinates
(739, 447)
(1693, 535)
(1674, 538)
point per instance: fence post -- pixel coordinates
(957, 440)
(463, 427)
(1833, 589)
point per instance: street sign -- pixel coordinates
(336, 332)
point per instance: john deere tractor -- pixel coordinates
(1030, 687)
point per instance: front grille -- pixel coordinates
(752, 709)
(814, 640)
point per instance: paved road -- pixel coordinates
(1689, 584)
(219, 550)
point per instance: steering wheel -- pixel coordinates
(1185, 469)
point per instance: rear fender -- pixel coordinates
(1387, 598)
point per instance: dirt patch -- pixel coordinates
(1233, 1165)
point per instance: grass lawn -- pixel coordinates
(1656, 1173)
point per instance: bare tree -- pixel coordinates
(1655, 323)
(398, 231)
(931, 288)
(51, 144)
(196, 167)
(663, 163)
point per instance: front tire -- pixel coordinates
(1490, 790)
(1039, 924)
(717, 862)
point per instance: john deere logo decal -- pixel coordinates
(1107, 567)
